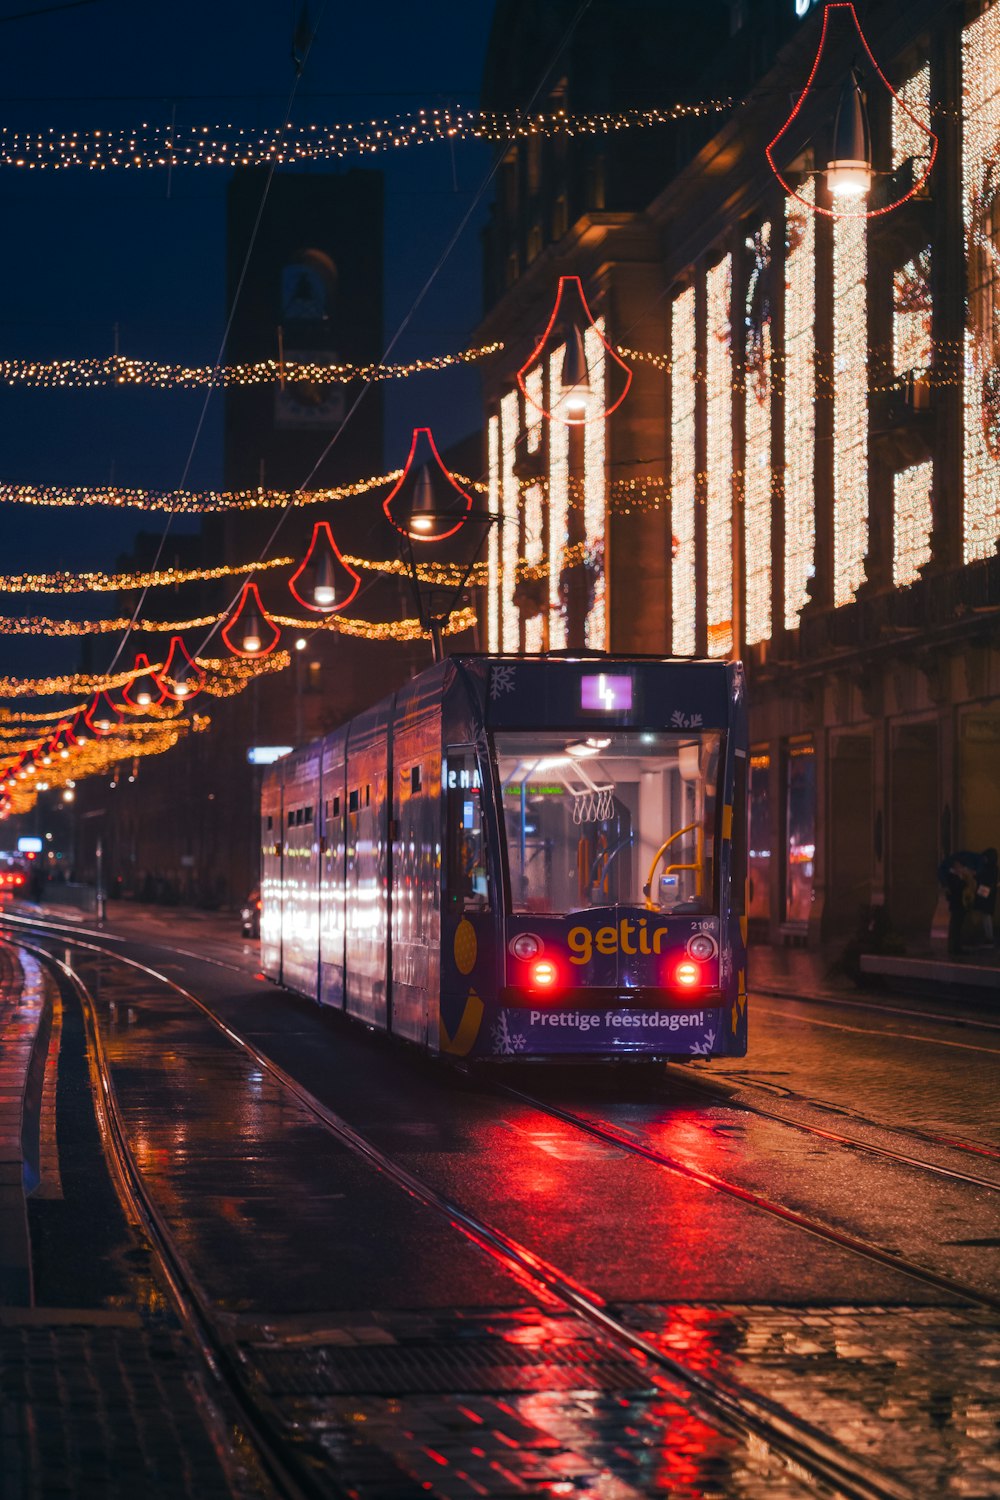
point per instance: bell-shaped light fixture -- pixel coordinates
(102, 716)
(849, 170)
(426, 503)
(249, 630)
(572, 330)
(78, 730)
(59, 748)
(575, 378)
(180, 675)
(323, 582)
(144, 689)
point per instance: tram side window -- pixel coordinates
(467, 886)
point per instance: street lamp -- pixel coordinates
(334, 582)
(575, 378)
(849, 170)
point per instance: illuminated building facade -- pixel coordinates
(806, 472)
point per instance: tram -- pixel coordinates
(522, 857)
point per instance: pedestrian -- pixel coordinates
(957, 874)
(985, 900)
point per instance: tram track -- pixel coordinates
(725, 1089)
(611, 1135)
(727, 1403)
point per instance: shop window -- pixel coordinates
(759, 859)
(800, 829)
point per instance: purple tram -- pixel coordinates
(539, 857)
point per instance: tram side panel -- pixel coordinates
(367, 866)
(300, 918)
(271, 847)
(332, 910)
(416, 857)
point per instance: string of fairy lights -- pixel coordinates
(150, 146)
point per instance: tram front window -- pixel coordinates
(622, 817)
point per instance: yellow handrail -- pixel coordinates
(652, 905)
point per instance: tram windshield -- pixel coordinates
(622, 817)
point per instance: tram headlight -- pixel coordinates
(687, 974)
(525, 946)
(543, 974)
(701, 946)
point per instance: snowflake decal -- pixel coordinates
(506, 1042)
(704, 1047)
(679, 720)
(501, 681)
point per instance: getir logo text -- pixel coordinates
(627, 937)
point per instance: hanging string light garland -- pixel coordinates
(107, 583)
(120, 370)
(224, 678)
(147, 147)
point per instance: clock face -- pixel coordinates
(309, 403)
(304, 294)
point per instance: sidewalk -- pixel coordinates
(810, 973)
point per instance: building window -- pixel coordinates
(719, 477)
(981, 186)
(800, 826)
(757, 497)
(682, 471)
(759, 858)
(800, 398)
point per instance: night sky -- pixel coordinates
(85, 251)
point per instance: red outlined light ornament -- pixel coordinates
(573, 404)
(244, 631)
(858, 213)
(145, 689)
(180, 675)
(334, 583)
(102, 716)
(426, 496)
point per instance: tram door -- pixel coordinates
(416, 863)
(468, 957)
(366, 868)
(271, 846)
(331, 872)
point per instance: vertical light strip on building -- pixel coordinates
(534, 539)
(911, 522)
(981, 189)
(757, 475)
(493, 543)
(595, 488)
(533, 407)
(719, 459)
(682, 471)
(800, 407)
(558, 506)
(534, 552)
(510, 510)
(850, 406)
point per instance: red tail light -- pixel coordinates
(543, 974)
(687, 974)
